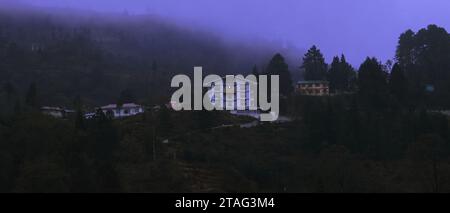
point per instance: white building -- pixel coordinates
(234, 94)
(56, 112)
(125, 110)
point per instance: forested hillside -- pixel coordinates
(98, 56)
(383, 127)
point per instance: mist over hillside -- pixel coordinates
(70, 53)
(349, 127)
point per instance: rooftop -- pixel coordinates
(237, 77)
(312, 82)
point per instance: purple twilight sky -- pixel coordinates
(357, 28)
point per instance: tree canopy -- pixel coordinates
(278, 66)
(425, 58)
(341, 75)
(372, 84)
(314, 66)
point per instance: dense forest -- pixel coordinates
(380, 130)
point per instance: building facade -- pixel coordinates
(238, 93)
(125, 110)
(56, 112)
(313, 88)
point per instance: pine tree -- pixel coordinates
(334, 75)
(372, 84)
(341, 75)
(350, 74)
(277, 66)
(314, 65)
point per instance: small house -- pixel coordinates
(56, 112)
(313, 88)
(124, 110)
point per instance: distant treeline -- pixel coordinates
(418, 78)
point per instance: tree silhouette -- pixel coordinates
(372, 84)
(277, 66)
(341, 75)
(425, 58)
(314, 65)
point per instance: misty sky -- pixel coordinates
(358, 28)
